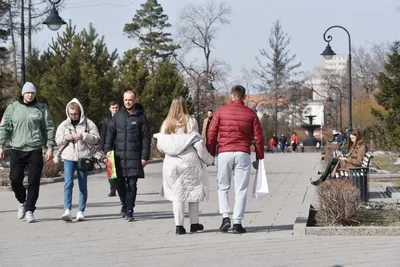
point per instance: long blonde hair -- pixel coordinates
(177, 116)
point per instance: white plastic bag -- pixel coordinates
(260, 186)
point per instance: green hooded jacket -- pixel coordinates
(28, 126)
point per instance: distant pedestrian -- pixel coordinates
(272, 145)
(28, 124)
(184, 173)
(294, 142)
(113, 107)
(276, 142)
(128, 134)
(318, 146)
(78, 134)
(235, 126)
(282, 143)
(206, 124)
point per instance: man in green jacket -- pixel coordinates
(28, 124)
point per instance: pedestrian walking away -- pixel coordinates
(235, 126)
(28, 125)
(113, 107)
(185, 178)
(76, 135)
(128, 134)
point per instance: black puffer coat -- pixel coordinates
(129, 136)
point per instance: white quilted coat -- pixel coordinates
(76, 150)
(185, 176)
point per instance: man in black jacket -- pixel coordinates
(113, 107)
(128, 133)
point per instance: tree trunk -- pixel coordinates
(30, 28)
(14, 52)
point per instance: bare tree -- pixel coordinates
(35, 12)
(198, 28)
(248, 80)
(368, 62)
(277, 67)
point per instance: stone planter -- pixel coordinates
(307, 227)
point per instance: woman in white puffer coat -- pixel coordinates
(185, 164)
(75, 136)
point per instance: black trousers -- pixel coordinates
(294, 147)
(19, 161)
(113, 184)
(127, 191)
(329, 168)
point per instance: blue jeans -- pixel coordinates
(282, 148)
(69, 170)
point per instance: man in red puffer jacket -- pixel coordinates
(235, 126)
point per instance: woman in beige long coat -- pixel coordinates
(354, 158)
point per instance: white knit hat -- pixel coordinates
(28, 88)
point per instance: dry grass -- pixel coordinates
(380, 218)
(383, 162)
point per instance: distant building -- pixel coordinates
(319, 83)
(328, 67)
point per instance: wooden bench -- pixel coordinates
(358, 176)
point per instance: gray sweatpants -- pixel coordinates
(236, 164)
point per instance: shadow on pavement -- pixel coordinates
(270, 228)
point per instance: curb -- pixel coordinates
(300, 224)
(381, 177)
(354, 231)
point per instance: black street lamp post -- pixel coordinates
(50, 23)
(208, 86)
(330, 100)
(54, 21)
(328, 54)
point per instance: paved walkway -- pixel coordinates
(107, 240)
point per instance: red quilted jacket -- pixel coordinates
(235, 126)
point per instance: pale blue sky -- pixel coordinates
(304, 20)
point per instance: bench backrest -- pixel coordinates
(366, 160)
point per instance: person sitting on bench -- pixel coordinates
(354, 158)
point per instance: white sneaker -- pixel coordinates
(29, 217)
(80, 216)
(21, 211)
(66, 216)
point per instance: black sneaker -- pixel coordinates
(196, 227)
(129, 216)
(238, 229)
(112, 193)
(123, 212)
(226, 224)
(180, 230)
